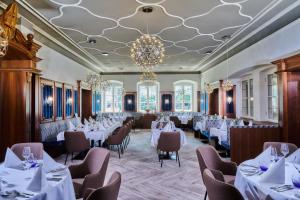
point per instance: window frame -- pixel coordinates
(274, 119)
(114, 85)
(183, 84)
(147, 84)
(249, 98)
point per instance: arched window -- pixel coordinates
(184, 96)
(113, 97)
(148, 96)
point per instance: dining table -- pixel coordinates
(248, 182)
(155, 134)
(14, 184)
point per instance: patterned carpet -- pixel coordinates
(144, 179)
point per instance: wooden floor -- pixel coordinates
(144, 179)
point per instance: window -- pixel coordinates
(76, 102)
(69, 102)
(204, 102)
(272, 97)
(148, 96)
(113, 97)
(247, 98)
(47, 102)
(184, 97)
(96, 102)
(59, 103)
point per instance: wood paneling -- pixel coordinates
(289, 98)
(86, 104)
(214, 102)
(247, 143)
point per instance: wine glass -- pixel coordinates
(284, 148)
(26, 153)
(274, 156)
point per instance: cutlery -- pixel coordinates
(295, 165)
(282, 188)
(54, 179)
(248, 165)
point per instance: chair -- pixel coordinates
(217, 188)
(169, 142)
(35, 147)
(117, 139)
(75, 142)
(277, 145)
(108, 192)
(91, 172)
(209, 158)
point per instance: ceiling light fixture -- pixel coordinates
(147, 51)
(208, 52)
(227, 84)
(105, 54)
(147, 9)
(96, 82)
(208, 88)
(92, 41)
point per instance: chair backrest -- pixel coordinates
(169, 141)
(277, 145)
(74, 141)
(35, 147)
(110, 191)
(208, 157)
(217, 189)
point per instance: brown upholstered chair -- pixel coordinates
(75, 142)
(176, 121)
(108, 192)
(277, 145)
(217, 188)
(209, 158)
(35, 147)
(91, 172)
(117, 139)
(169, 142)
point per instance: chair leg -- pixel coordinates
(66, 158)
(205, 196)
(72, 156)
(161, 162)
(177, 155)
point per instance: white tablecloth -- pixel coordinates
(252, 184)
(220, 134)
(184, 119)
(93, 135)
(200, 125)
(20, 180)
(156, 133)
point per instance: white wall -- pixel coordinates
(166, 80)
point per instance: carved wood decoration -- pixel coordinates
(19, 85)
(289, 98)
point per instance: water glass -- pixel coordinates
(274, 155)
(26, 153)
(296, 180)
(264, 165)
(284, 148)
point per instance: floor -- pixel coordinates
(144, 179)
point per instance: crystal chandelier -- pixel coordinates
(3, 42)
(208, 88)
(147, 51)
(227, 85)
(96, 82)
(148, 76)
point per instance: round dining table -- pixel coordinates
(14, 184)
(248, 182)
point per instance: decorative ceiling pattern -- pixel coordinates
(190, 30)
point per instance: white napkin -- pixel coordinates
(71, 126)
(167, 127)
(86, 122)
(11, 160)
(250, 123)
(224, 126)
(294, 157)
(265, 155)
(241, 123)
(101, 127)
(50, 164)
(275, 173)
(39, 180)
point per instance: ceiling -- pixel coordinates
(189, 29)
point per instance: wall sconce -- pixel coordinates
(70, 100)
(98, 100)
(167, 101)
(129, 101)
(49, 100)
(251, 98)
(229, 99)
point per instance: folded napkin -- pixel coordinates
(265, 155)
(50, 164)
(250, 123)
(39, 180)
(101, 127)
(275, 173)
(167, 128)
(224, 126)
(294, 157)
(12, 160)
(241, 123)
(71, 126)
(86, 122)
